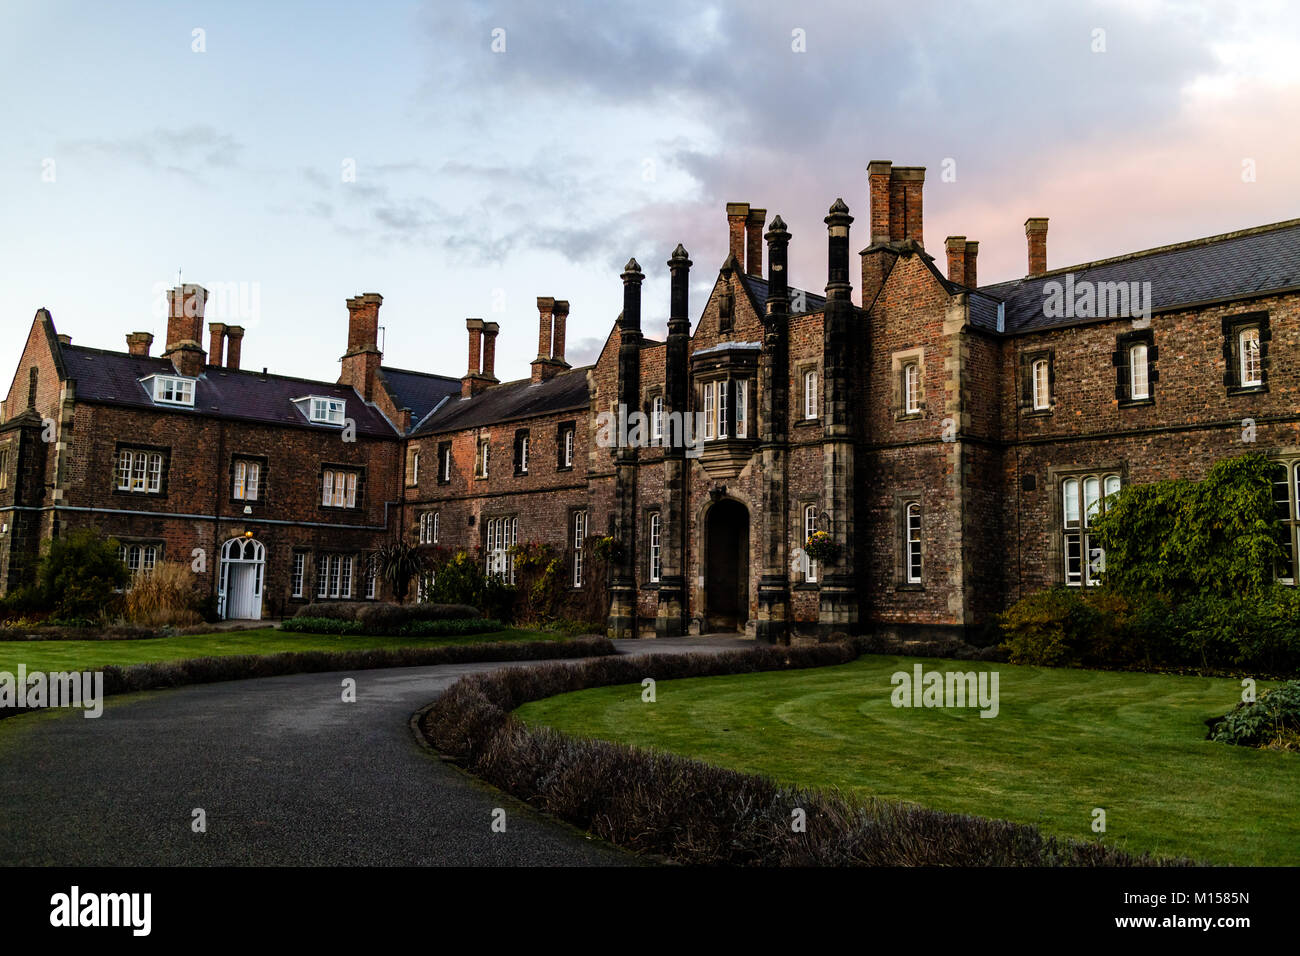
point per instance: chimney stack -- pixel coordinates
(552, 315)
(361, 361)
(972, 250)
(234, 337)
(557, 333)
(545, 309)
(754, 241)
(490, 330)
(1036, 233)
(878, 176)
(216, 342)
(737, 220)
(139, 343)
(956, 247)
(184, 328)
(475, 380)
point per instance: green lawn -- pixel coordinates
(80, 655)
(1063, 743)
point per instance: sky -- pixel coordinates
(462, 159)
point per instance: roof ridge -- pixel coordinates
(1156, 250)
(411, 371)
(206, 368)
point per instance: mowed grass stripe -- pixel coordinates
(1064, 742)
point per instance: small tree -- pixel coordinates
(80, 575)
(398, 563)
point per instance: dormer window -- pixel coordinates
(171, 389)
(327, 411)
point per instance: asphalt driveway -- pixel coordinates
(285, 772)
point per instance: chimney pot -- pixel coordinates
(1036, 234)
(216, 342)
(139, 343)
(972, 251)
(234, 339)
(490, 330)
(737, 217)
(956, 248)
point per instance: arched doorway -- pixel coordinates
(726, 566)
(239, 589)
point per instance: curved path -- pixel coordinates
(286, 772)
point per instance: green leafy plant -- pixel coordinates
(398, 563)
(80, 576)
(1272, 720)
(820, 546)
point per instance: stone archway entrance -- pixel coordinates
(726, 566)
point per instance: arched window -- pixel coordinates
(809, 526)
(1042, 385)
(1248, 350)
(1138, 378)
(911, 388)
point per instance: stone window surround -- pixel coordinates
(898, 389)
(1056, 532)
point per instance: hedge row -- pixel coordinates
(692, 812)
(210, 670)
(435, 628)
(381, 616)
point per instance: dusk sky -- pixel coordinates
(135, 146)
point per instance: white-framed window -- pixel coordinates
(1286, 503)
(334, 575)
(339, 489)
(173, 390)
(345, 582)
(299, 572)
(723, 429)
(327, 411)
(810, 394)
(566, 456)
(1138, 372)
(481, 459)
(248, 476)
(139, 471)
(911, 388)
(809, 526)
(138, 557)
(913, 516)
(655, 551)
(742, 407)
(444, 462)
(372, 579)
(579, 537)
(413, 467)
(502, 535)
(1041, 377)
(657, 418)
(709, 415)
(322, 575)
(1250, 364)
(1083, 498)
(523, 454)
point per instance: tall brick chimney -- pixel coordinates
(878, 176)
(216, 342)
(476, 377)
(905, 187)
(972, 251)
(234, 338)
(1036, 233)
(551, 318)
(490, 330)
(139, 343)
(185, 327)
(361, 361)
(956, 248)
(895, 194)
(754, 241)
(737, 219)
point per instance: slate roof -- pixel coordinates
(113, 378)
(421, 392)
(508, 401)
(1228, 266)
(758, 289)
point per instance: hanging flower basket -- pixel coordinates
(820, 546)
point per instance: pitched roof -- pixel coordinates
(758, 291)
(114, 378)
(1229, 266)
(510, 401)
(421, 392)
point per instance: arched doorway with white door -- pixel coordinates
(243, 568)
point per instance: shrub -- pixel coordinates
(80, 576)
(1273, 720)
(163, 596)
(408, 628)
(398, 563)
(1052, 628)
(385, 614)
(26, 602)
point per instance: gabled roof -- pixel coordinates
(1217, 268)
(421, 392)
(113, 378)
(510, 401)
(757, 288)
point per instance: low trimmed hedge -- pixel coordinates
(450, 628)
(379, 617)
(211, 670)
(691, 812)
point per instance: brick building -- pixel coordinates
(953, 440)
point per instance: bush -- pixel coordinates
(26, 602)
(80, 576)
(163, 596)
(383, 614)
(1271, 721)
(1053, 628)
(410, 628)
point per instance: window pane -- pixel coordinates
(1070, 501)
(1138, 371)
(1091, 498)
